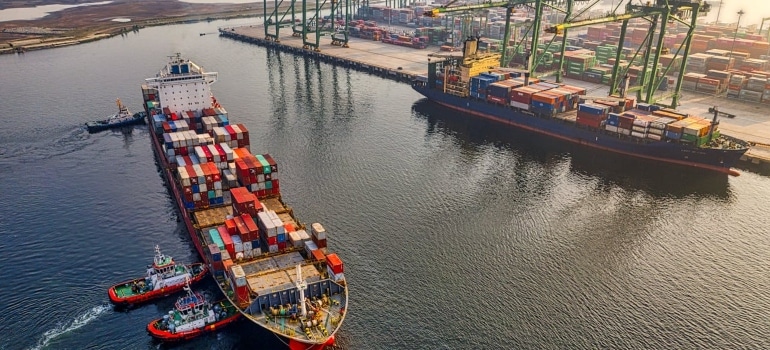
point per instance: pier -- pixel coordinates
(752, 122)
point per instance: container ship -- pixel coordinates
(475, 85)
(276, 270)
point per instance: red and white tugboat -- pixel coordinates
(192, 316)
(163, 277)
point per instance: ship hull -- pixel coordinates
(720, 160)
(97, 126)
(169, 337)
(121, 300)
(292, 343)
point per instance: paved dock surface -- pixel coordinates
(752, 121)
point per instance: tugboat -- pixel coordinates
(163, 277)
(122, 118)
(192, 316)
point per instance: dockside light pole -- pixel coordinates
(735, 36)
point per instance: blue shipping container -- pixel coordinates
(592, 109)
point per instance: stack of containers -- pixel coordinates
(521, 97)
(641, 125)
(657, 128)
(157, 121)
(735, 84)
(259, 174)
(217, 250)
(298, 238)
(245, 202)
(334, 267)
(183, 143)
(696, 131)
(697, 62)
(318, 234)
(251, 239)
(201, 185)
(690, 80)
(281, 236)
(591, 115)
(268, 231)
(626, 123)
(479, 85)
(613, 121)
(235, 136)
(500, 92)
(238, 282)
(604, 52)
(708, 85)
(754, 89)
(247, 231)
(722, 76)
(209, 123)
(720, 63)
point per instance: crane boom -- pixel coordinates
(439, 10)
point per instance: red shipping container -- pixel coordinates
(240, 226)
(318, 255)
(320, 243)
(227, 240)
(281, 245)
(335, 263)
(276, 187)
(251, 226)
(230, 226)
(242, 294)
(222, 154)
(272, 240)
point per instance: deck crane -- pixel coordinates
(669, 10)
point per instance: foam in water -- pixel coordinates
(64, 328)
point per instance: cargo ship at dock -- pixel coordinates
(273, 268)
(475, 85)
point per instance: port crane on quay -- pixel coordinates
(658, 13)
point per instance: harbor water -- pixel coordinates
(456, 233)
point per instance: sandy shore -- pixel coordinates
(83, 24)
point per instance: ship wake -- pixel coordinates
(64, 328)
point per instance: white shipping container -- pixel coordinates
(247, 246)
(654, 137)
(237, 243)
(637, 134)
(611, 128)
(256, 252)
(310, 246)
(272, 248)
(335, 277)
(228, 151)
(520, 105)
(248, 254)
(318, 230)
(303, 235)
(294, 239)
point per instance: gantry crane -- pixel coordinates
(312, 25)
(669, 11)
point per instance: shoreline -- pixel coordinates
(87, 34)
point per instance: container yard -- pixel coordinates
(728, 64)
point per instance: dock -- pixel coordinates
(386, 60)
(405, 63)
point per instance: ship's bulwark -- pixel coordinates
(720, 160)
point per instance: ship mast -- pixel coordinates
(301, 285)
